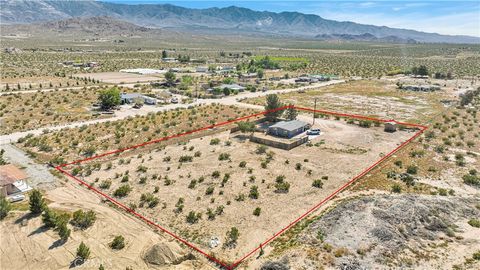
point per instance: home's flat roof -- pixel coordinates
(130, 95)
(232, 86)
(289, 125)
(10, 173)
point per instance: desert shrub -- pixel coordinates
(240, 197)
(142, 169)
(118, 242)
(474, 223)
(242, 164)
(261, 149)
(396, 188)
(232, 237)
(193, 217)
(219, 210)
(412, 169)
(471, 178)
(192, 184)
(210, 214)
(5, 207)
(214, 141)
(36, 201)
(283, 187)
(180, 205)
(224, 156)
(105, 184)
(83, 219)
(257, 211)
(122, 191)
(216, 174)
(254, 192)
(209, 190)
(185, 158)
(365, 123)
(417, 153)
(298, 166)
(317, 183)
(476, 256)
(149, 199)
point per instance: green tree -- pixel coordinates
(170, 77)
(49, 218)
(5, 207)
(260, 73)
(164, 54)
(63, 231)
(291, 113)
(118, 242)
(273, 103)
(109, 98)
(36, 201)
(83, 251)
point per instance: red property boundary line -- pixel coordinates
(62, 169)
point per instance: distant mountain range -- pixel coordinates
(231, 19)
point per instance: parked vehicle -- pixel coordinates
(315, 131)
(16, 198)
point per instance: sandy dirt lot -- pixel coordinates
(25, 244)
(118, 77)
(340, 153)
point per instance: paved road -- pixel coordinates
(126, 111)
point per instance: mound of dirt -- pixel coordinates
(166, 254)
(381, 227)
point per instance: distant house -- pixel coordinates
(129, 98)
(249, 75)
(92, 64)
(169, 60)
(233, 86)
(12, 181)
(287, 129)
(201, 69)
(421, 88)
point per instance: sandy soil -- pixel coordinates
(342, 152)
(27, 245)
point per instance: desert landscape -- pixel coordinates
(208, 136)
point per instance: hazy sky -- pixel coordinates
(444, 17)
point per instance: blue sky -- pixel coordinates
(444, 17)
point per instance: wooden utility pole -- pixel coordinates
(314, 109)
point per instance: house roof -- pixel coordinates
(231, 86)
(289, 125)
(10, 173)
(130, 95)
